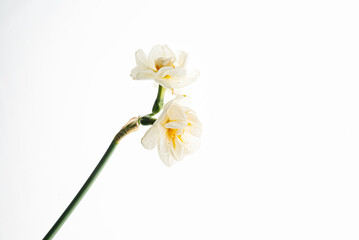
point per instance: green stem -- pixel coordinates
(147, 120)
(131, 126)
(157, 106)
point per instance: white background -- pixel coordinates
(278, 99)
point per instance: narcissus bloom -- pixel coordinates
(164, 67)
(176, 132)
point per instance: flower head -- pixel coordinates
(164, 67)
(176, 132)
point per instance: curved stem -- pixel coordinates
(157, 106)
(131, 126)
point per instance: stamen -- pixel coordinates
(171, 133)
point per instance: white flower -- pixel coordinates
(162, 65)
(176, 132)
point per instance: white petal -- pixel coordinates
(171, 78)
(140, 74)
(179, 150)
(190, 143)
(156, 52)
(194, 125)
(191, 76)
(171, 72)
(177, 77)
(175, 147)
(194, 131)
(164, 83)
(194, 128)
(177, 124)
(192, 118)
(164, 153)
(165, 62)
(141, 59)
(169, 104)
(174, 79)
(177, 113)
(182, 59)
(151, 137)
(163, 118)
(167, 53)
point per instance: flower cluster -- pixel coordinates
(162, 66)
(177, 131)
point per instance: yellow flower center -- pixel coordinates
(171, 133)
